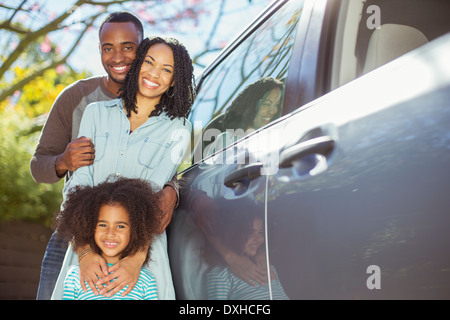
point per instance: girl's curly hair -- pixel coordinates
(78, 219)
(178, 100)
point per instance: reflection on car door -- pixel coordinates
(217, 238)
(218, 230)
(359, 206)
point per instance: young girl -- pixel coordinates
(143, 134)
(115, 219)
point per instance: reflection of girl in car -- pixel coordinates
(243, 232)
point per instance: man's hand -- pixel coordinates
(79, 152)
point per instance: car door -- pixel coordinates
(218, 234)
(359, 206)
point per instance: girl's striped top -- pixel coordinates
(222, 284)
(145, 288)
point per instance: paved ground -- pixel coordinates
(22, 246)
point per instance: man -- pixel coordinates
(59, 151)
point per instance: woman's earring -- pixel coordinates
(173, 93)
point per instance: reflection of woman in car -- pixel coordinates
(243, 232)
(257, 105)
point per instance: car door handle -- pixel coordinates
(322, 145)
(244, 174)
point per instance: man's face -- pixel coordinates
(118, 45)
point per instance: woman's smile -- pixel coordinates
(149, 84)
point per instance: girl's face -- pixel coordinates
(268, 108)
(255, 239)
(156, 75)
(112, 233)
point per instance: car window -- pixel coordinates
(245, 91)
(371, 33)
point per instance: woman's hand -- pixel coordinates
(167, 203)
(247, 270)
(125, 272)
(92, 267)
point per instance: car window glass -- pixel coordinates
(371, 33)
(245, 91)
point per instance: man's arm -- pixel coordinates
(79, 153)
(55, 153)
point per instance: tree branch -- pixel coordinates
(7, 25)
(19, 85)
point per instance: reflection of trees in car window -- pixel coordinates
(264, 53)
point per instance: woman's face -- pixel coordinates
(268, 108)
(112, 233)
(156, 75)
(256, 238)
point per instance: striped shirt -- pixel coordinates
(222, 284)
(145, 288)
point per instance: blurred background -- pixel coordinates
(47, 45)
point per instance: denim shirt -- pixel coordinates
(152, 152)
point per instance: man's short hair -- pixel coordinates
(121, 17)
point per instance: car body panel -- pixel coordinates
(351, 186)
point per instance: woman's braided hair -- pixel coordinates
(178, 100)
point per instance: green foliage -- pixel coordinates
(21, 198)
(37, 97)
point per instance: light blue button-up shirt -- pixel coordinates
(152, 152)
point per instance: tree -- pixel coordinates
(22, 33)
(30, 26)
(34, 69)
(20, 197)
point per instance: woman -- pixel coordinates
(142, 134)
(257, 105)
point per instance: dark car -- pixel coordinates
(321, 158)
